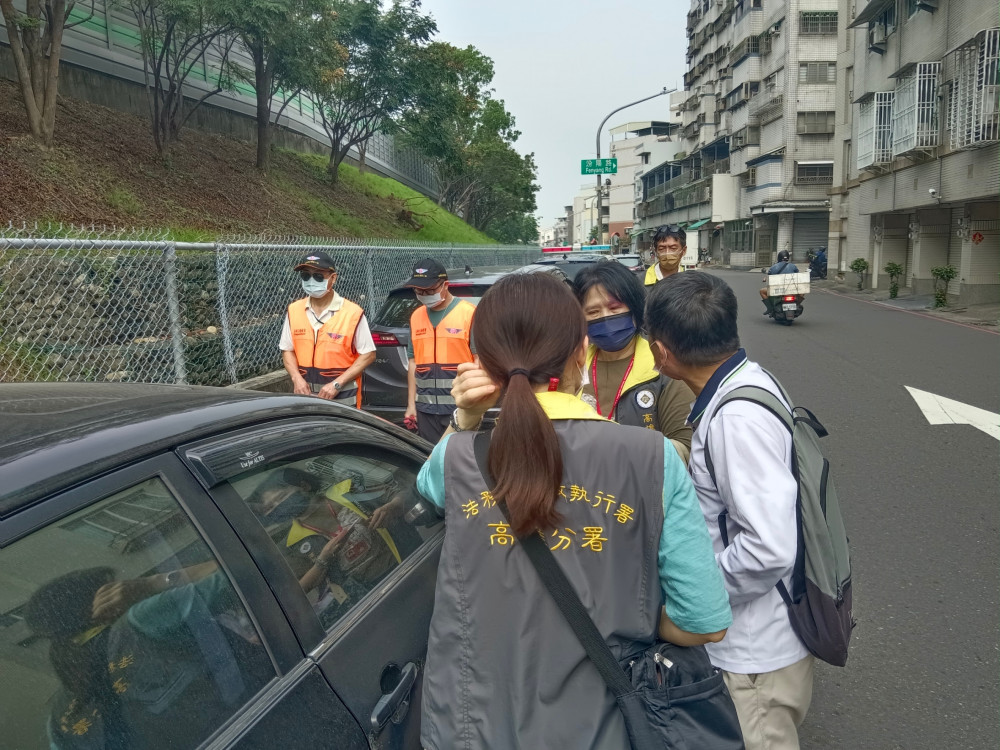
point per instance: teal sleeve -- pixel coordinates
(430, 480)
(693, 591)
(409, 348)
(160, 615)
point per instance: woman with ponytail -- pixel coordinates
(504, 668)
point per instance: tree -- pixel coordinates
(364, 83)
(282, 38)
(469, 137)
(511, 229)
(175, 36)
(35, 37)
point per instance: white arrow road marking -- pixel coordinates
(941, 410)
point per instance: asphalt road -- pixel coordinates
(921, 505)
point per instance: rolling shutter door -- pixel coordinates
(811, 230)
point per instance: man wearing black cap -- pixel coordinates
(440, 340)
(325, 343)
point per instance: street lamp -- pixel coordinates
(600, 218)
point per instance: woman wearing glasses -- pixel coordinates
(669, 246)
(325, 343)
(621, 379)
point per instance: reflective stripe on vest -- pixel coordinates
(326, 354)
(437, 353)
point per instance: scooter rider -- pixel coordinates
(784, 265)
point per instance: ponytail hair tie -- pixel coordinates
(518, 371)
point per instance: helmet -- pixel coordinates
(784, 255)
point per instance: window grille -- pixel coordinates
(815, 122)
(973, 111)
(823, 22)
(818, 72)
(915, 110)
(814, 174)
(749, 178)
(875, 129)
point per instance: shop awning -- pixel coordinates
(698, 224)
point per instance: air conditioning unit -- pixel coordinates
(876, 38)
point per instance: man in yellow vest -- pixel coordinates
(325, 343)
(669, 246)
(440, 340)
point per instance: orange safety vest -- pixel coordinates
(324, 355)
(437, 353)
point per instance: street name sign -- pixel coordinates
(598, 166)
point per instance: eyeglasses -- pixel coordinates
(314, 275)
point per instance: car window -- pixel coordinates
(118, 629)
(338, 519)
(401, 303)
(629, 262)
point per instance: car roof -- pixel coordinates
(58, 434)
(484, 275)
(572, 258)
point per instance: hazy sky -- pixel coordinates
(562, 65)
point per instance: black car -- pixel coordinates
(632, 262)
(385, 379)
(571, 263)
(198, 567)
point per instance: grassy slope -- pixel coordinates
(104, 170)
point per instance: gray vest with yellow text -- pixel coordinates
(504, 669)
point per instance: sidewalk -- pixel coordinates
(985, 316)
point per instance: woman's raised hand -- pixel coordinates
(474, 392)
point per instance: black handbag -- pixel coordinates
(671, 697)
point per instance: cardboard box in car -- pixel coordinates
(788, 283)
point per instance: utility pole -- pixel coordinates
(600, 218)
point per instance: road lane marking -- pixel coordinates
(941, 410)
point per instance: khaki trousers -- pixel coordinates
(772, 705)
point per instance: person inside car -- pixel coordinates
(622, 382)
(338, 542)
(129, 656)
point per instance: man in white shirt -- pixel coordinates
(691, 321)
(325, 342)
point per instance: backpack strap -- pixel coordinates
(764, 398)
(756, 395)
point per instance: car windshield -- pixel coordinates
(401, 303)
(631, 262)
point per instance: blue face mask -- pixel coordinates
(612, 333)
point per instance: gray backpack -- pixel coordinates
(819, 603)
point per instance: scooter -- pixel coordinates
(783, 308)
(817, 264)
(786, 308)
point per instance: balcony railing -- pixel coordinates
(766, 101)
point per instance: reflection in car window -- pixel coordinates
(338, 520)
(118, 629)
(401, 303)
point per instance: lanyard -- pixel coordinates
(621, 387)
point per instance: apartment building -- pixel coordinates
(918, 169)
(757, 119)
(637, 145)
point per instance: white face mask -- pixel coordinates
(314, 288)
(430, 299)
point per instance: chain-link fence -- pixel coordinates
(101, 307)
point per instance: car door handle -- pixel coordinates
(395, 702)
